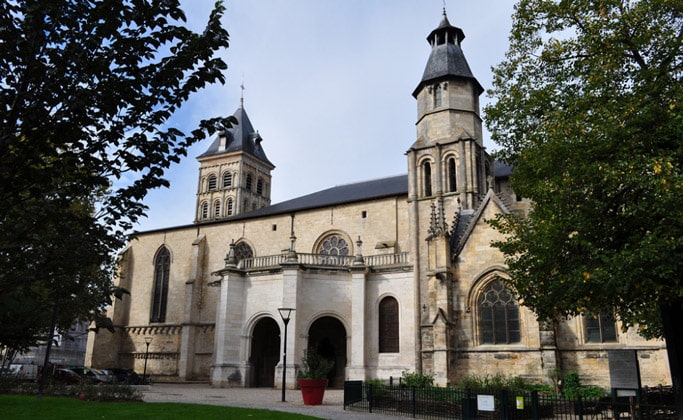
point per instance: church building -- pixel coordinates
(382, 276)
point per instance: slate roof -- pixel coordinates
(341, 194)
(501, 169)
(239, 137)
(446, 58)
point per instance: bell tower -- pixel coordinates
(447, 174)
(234, 172)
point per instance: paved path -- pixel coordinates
(266, 398)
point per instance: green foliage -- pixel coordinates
(494, 382)
(89, 392)
(588, 112)
(417, 380)
(592, 392)
(314, 366)
(571, 386)
(87, 93)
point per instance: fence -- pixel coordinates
(454, 403)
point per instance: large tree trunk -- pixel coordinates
(672, 321)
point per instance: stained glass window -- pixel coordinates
(162, 265)
(498, 315)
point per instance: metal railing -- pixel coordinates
(455, 403)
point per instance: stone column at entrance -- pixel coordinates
(356, 369)
(291, 280)
(228, 371)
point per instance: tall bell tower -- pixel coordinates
(234, 172)
(448, 171)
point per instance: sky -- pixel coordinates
(328, 84)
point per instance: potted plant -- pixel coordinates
(313, 377)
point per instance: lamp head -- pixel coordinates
(285, 313)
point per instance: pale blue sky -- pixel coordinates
(328, 84)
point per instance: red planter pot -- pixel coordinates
(312, 390)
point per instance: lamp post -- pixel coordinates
(148, 340)
(285, 313)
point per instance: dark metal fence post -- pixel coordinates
(414, 400)
(534, 405)
(503, 395)
(369, 393)
(579, 406)
(467, 406)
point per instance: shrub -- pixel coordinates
(495, 382)
(101, 393)
(592, 392)
(417, 380)
(314, 366)
(571, 386)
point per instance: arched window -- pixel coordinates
(452, 183)
(205, 210)
(487, 173)
(332, 247)
(600, 328)
(227, 180)
(388, 325)
(249, 182)
(229, 207)
(498, 315)
(243, 250)
(427, 177)
(212, 182)
(217, 208)
(162, 265)
(259, 187)
(437, 95)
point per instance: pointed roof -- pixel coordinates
(240, 137)
(467, 221)
(446, 59)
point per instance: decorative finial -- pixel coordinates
(444, 8)
(242, 95)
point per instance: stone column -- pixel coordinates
(193, 285)
(291, 280)
(356, 369)
(228, 369)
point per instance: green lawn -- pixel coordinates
(30, 407)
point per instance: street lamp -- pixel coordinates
(284, 314)
(148, 340)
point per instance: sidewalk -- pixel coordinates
(265, 398)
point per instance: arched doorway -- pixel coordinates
(265, 350)
(328, 336)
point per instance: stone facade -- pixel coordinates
(385, 276)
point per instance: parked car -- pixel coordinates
(67, 376)
(126, 376)
(93, 376)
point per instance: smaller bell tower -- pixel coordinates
(448, 171)
(234, 172)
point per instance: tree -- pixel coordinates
(88, 90)
(588, 112)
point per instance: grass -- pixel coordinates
(29, 407)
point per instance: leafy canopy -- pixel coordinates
(588, 112)
(87, 92)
